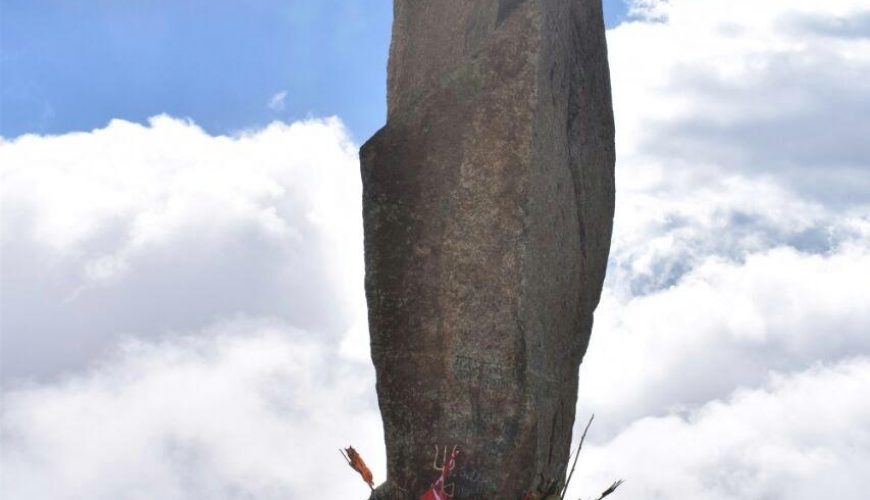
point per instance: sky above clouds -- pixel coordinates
(228, 65)
(182, 303)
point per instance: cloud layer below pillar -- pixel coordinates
(731, 349)
(142, 230)
(183, 313)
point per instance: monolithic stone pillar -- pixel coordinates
(488, 207)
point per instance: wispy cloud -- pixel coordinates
(277, 101)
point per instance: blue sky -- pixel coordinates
(75, 65)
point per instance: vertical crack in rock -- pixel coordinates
(488, 205)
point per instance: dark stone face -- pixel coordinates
(488, 206)
(506, 8)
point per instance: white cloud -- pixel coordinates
(798, 437)
(277, 101)
(754, 88)
(144, 229)
(249, 409)
(725, 325)
(731, 343)
(183, 314)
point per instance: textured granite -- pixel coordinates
(488, 205)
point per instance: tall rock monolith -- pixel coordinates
(488, 204)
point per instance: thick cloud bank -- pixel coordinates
(731, 350)
(248, 409)
(141, 230)
(183, 314)
(183, 317)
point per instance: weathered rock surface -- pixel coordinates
(488, 206)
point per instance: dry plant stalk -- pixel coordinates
(611, 489)
(576, 457)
